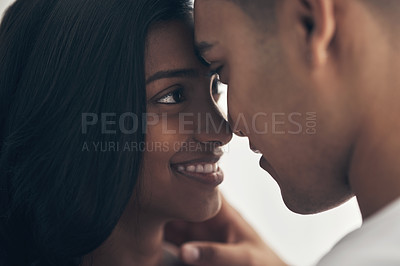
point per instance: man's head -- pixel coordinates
(301, 78)
(260, 11)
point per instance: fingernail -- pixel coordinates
(190, 253)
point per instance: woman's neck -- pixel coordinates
(131, 243)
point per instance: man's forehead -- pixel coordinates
(209, 15)
(207, 21)
(215, 22)
(206, 8)
(210, 3)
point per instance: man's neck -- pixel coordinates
(374, 173)
(374, 170)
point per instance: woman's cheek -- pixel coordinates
(163, 140)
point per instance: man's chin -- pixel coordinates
(304, 206)
(295, 208)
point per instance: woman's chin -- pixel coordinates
(207, 210)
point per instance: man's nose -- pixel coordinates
(235, 130)
(213, 126)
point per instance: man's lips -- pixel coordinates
(254, 149)
(205, 170)
(268, 167)
(264, 164)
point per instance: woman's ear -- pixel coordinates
(319, 21)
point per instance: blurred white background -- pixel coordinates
(300, 240)
(3, 5)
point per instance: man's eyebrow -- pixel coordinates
(203, 47)
(176, 73)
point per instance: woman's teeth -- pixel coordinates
(200, 168)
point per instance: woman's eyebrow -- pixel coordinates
(176, 73)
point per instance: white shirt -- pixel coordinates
(375, 243)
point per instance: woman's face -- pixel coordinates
(185, 130)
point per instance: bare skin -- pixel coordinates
(336, 58)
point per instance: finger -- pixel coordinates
(213, 254)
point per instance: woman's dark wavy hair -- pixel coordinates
(59, 60)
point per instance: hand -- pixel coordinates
(227, 239)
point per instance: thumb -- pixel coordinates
(212, 254)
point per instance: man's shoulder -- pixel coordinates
(377, 242)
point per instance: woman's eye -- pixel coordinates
(173, 97)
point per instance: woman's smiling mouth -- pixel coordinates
(204, 172)
(199, 168)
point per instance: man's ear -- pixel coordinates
(320, 23)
